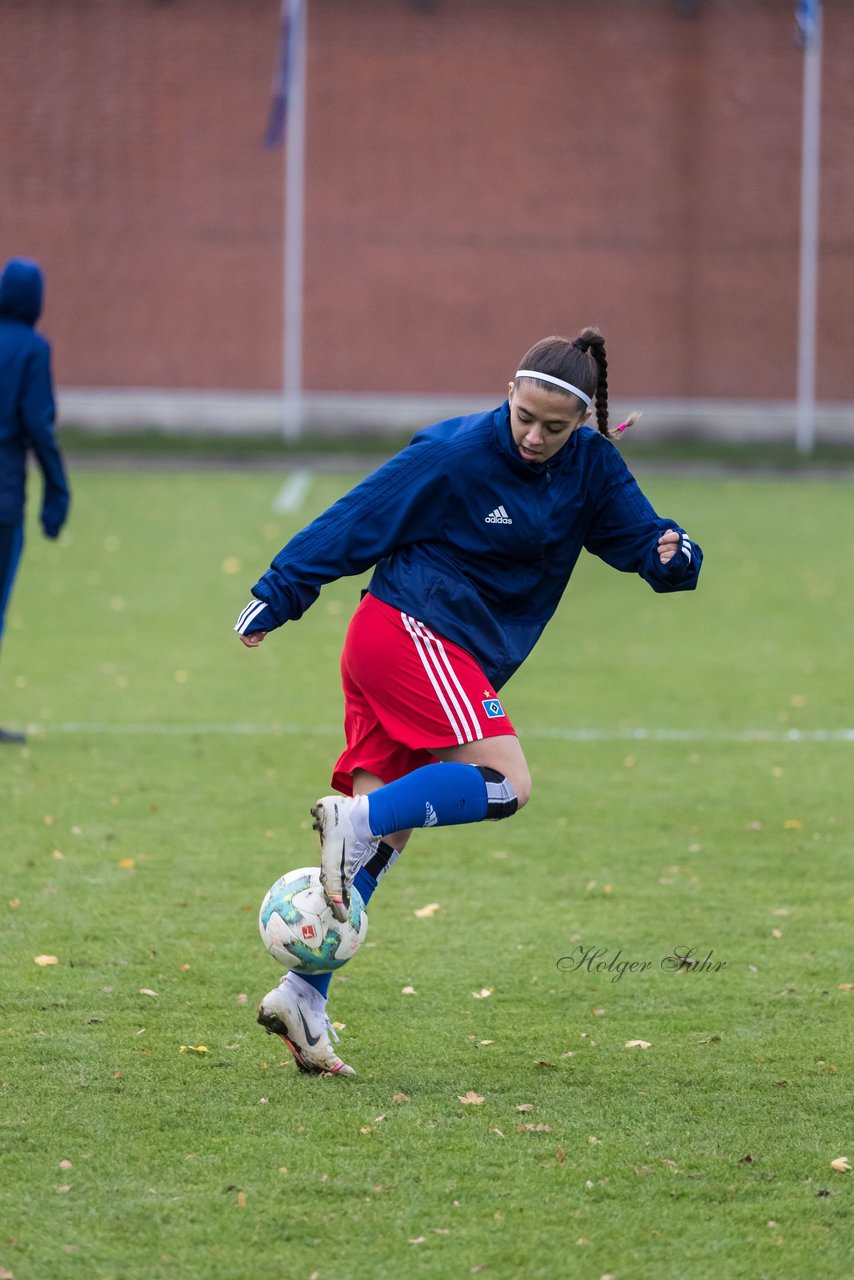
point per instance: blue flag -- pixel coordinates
(291, 25)
(806, 16)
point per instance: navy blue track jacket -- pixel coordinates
(27, 409)
(473, 541)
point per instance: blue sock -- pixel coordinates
(436, 795)
(365, 883)
(320, 981)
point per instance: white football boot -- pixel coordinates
(296, 1011)
(337, 851)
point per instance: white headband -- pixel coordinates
(558, 382)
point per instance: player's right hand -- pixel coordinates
(253, 639)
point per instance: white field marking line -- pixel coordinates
(292, 493)
(284, 729)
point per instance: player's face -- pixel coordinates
(542, 421)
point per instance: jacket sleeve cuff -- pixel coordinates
(257, 616)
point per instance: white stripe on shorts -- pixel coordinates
(442, 654)
(445, 682)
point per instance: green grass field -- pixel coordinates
(692, 788)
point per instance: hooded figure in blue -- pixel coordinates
(27, 414)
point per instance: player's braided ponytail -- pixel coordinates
(591, 343)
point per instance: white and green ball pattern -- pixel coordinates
(299, 930)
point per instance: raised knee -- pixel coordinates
(522, 787)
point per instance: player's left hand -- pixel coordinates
(668, 544)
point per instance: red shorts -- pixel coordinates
(408, 692)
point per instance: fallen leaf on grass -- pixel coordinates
(400, 1097)
(533, 1128)
(417, 1239)
(541, 1062)
(483, 993)
(470, 1099)
(241, 1199)
(65, 1164)
(6, 1275)
(792, 824)
(146, 991)
(525, 1106)
(845, 986)
(62, 1190)
(193, 1048)
(638, 1044)
(126, 864)
(45, 960)
(841, 1164)
(424, 913)
(408, 991)
(560, 1155)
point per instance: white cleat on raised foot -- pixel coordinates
(337, 851)
(297, 1013)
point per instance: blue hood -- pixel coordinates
(21, 290)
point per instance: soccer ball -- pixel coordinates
(298, 928)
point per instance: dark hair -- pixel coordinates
(581, 361)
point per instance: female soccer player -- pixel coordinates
(473, 531)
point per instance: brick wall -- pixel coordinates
(478, 175)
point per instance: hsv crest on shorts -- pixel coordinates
(493, 708)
